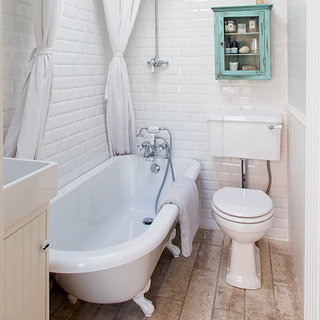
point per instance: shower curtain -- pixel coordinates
(25, 136)
(120, 17)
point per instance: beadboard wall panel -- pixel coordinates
(296, 183)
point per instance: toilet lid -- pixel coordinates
(242, 203)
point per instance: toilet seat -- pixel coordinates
(242, 205)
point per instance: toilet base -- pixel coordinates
(243, 267)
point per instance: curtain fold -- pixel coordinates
(26, 132)
(120, 123)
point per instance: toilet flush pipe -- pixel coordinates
(243, 173)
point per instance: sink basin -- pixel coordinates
(27, 184)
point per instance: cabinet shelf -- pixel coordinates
(255, 17)
(241, 54)
(241, 34)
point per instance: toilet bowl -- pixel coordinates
(245, 215)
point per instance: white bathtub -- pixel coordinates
(100, 250)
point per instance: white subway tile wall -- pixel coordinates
(180, 95)
(177, 96)
(76, 136)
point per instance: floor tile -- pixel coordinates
(279, 246)
(57, 296)
(69, 311)
(167, 309)
(287, 297)
(101, 311)
(287, 302)
(226, 315)
(176, 281)
(259, 304)
(156, 280)
(227, 297)
(128, 310)
(214, 237)
(209, 256)
(200, 296)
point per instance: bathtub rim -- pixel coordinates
(192, 172)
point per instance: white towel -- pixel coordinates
(184, 194)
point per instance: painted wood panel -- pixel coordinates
(26, 272)
(296, 189)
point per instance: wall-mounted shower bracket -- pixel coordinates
(156, 61)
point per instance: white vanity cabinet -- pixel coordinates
(26, 267)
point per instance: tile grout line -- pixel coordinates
(184, 299)
(274, 295)
(217, 284)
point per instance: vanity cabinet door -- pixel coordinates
(242, 42)
(26, 269)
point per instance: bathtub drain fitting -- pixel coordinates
(147, 221)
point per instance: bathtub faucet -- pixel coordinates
(151, 147)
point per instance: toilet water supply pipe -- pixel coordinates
(244, 177)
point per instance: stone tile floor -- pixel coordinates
(194, 288)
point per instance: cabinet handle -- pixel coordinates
(272, 127)
(45, 245)
(221, 43)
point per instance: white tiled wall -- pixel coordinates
(75, 135)
(178, 96)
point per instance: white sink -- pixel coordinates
(27, 184)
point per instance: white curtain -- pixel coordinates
(25, 136)
(120, 17)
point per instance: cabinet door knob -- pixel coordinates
(221, 43)
(45, 245)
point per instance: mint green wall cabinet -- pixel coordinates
(250, 27)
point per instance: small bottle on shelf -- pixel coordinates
(234, 46)
(228, 46)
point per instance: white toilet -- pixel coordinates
(245, 215)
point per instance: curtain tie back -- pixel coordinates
(118, 54)
(41, 51)
(46, 50)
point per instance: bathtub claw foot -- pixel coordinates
(145, 304)
(173, 248)
(72, 299)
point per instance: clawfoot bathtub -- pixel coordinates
(101, 251)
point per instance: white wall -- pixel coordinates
(296, 134)
(177, 97)
(75, 135)
(297, 54)
(1, 191)
(180, 95)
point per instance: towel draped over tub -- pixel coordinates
(184, 194)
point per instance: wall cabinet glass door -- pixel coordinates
(242, 42)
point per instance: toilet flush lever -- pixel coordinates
(271, 127)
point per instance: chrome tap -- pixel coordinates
(156, 62)
(153, 152)
(146, 145)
